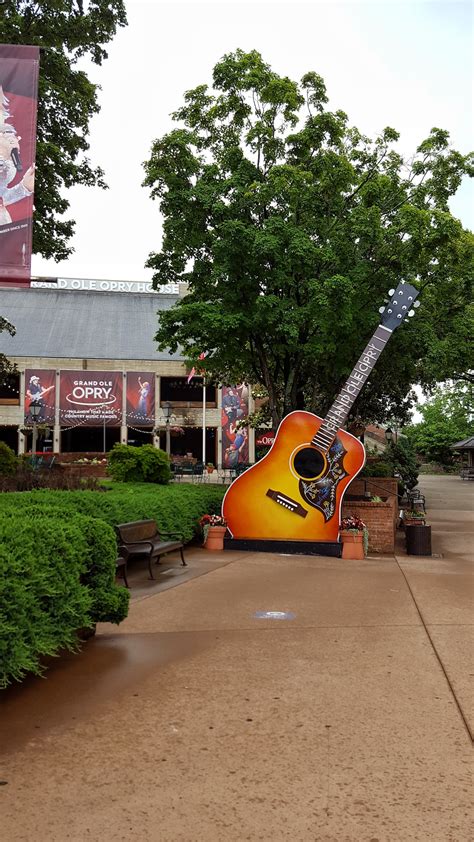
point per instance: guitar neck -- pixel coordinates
(337, 415)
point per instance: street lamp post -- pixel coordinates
(167, 408)
(34, 411)
(389, 435)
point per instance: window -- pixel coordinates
(180, 393)
(10, 390)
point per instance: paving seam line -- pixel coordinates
(438, 657)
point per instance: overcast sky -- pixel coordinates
(406, 65)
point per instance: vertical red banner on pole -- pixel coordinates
(140, 398)
(40, 388)
(19, 66)
(235, 442)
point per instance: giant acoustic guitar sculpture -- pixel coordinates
(295, 492)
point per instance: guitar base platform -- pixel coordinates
(327, 548)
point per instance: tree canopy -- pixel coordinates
(447, 417)
(289, 226)
(65, 30)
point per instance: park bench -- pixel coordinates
(467, 473)
(142, 537)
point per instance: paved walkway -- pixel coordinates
(197, 719)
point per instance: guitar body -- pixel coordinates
(295, 492)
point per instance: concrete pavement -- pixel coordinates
(345, 720)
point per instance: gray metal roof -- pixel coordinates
(465, 444)
(83, 324)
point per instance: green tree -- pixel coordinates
(448, 417)
(66, 31)
(289, 226)
(402, 457)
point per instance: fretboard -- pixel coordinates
(341, 407)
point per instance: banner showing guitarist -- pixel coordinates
(40, 388)
(235, 406)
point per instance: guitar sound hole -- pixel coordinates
(309, 463)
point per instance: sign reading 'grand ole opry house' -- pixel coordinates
(90, 284)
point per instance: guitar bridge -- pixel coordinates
(287, 502)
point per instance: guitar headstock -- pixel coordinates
(400, 305)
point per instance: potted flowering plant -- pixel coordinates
(214, 528)
(414, 517)
(354, 537)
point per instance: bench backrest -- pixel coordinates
(138, 530)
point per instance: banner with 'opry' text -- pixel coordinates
(90, 398)
(19, 65)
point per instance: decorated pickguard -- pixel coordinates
(321, 493)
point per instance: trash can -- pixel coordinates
(418, 539)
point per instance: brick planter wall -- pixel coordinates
(378, 487)
(84, 470)
(73, 457)
(379, 520)
(67, 462)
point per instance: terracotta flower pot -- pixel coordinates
(215, 538)
(352, 545)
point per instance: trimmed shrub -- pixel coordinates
(376, 469)
(174, 507)
(139, 464)
(8, 460)
(58, 576)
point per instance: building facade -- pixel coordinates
(85, 353)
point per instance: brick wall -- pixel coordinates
(379, 520)
(73, 457)
(68, 462)
(378, 487)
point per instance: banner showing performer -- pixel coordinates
(91, 398)
(140, 398)
(19, 66)
(235, 441)
(40, 388)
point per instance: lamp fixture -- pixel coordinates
(167, 410)
(34, 410)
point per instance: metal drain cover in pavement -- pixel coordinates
(274, 615)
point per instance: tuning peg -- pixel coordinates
(381, 309)
(417, 303)
(391, 291)
(399, 316)
(411, 313)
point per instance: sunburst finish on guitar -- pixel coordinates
(295, 493)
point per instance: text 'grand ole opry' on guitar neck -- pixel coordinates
(295, 492)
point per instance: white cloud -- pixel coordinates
(399, 64)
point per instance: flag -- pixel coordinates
(193, 370)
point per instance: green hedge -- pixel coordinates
(57, 576)
(139, 464)
(174, 507)
(57, 561)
